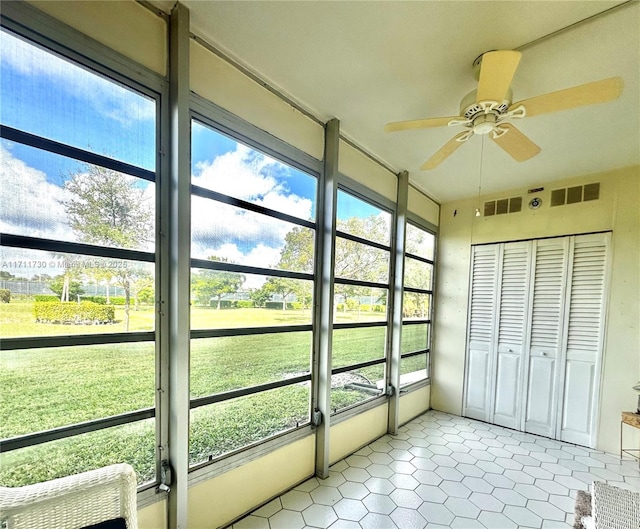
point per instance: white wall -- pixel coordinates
(616, 210)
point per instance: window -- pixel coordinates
(416, 305)
(77, 268)
(361, 287)
(252, 257)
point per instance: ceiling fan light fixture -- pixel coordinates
(484, 123)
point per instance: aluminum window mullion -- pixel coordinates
(396, 295)
(247, 331)
(357, 282)
(50, 245)
(323, 295)
(360, 365)
(72, 340)
(250, 390)
(179, 238)
(249, 206)
(243, 269)
(63, 432)
(360, 240)
(68, 151)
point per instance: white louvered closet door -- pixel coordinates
(585, 303)
(481, 329)
(535, 335)
(547, 310)
(512, 316)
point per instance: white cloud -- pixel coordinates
(106, 97)
(242, 236)
(30, 204)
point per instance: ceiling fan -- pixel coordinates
(488, 109)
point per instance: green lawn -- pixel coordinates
(47, 388)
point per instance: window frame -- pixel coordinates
(418, 222)
(357, 190)
(41, 30)
(209, 115)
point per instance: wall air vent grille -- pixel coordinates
(502, 206)
(573, 195)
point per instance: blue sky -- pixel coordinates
(45, 95)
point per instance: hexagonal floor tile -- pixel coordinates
(379, 485)
(406, 498)
(352, 490)
(326, 495)
(379, 503)
(408, 518)
(377, 521)
(436, 513)
(349, 509)
(296, 500)
(289, 519)
(462, 507)
(318, 516)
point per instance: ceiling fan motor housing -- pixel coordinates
(470, 108)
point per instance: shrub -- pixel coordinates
(296, 305)
(276, 305)
(245, 304)
(224, 304)
(340, 307)
(352, 304)
(116, 300)
(100, 300)
(5, 295)
(46, 297)
(83, 313)
(379, 308)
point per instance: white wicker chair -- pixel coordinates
(72, 502)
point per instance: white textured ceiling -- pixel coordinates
(368, 63)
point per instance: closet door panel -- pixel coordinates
(584, 338)
(548, 292)
(480, 334)
(512, 328)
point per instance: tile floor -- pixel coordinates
(447, 471)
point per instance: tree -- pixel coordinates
(109, 208)
(282, 286)
(66, 286)
(208, 284)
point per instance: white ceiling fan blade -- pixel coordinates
(514, 143)
(577, 96)
(496, 72)
(446, 150)
(421, 123)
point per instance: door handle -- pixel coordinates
(543, 353)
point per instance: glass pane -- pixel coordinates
(220, 428)
(413, 369)
(361, 262)
(54, 197)
(130, 443)
(353, 346)
(49, 96)
(52, 387)
(222, 300)
(95, 291)
(417, 274)
(416, 306)
(420, 242)
(414, 338)
(225, 233)
(359, 304)
(233, 362)
(356, 386)
(357, 217)
(221, 164)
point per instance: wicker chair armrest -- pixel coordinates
(73, 502)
